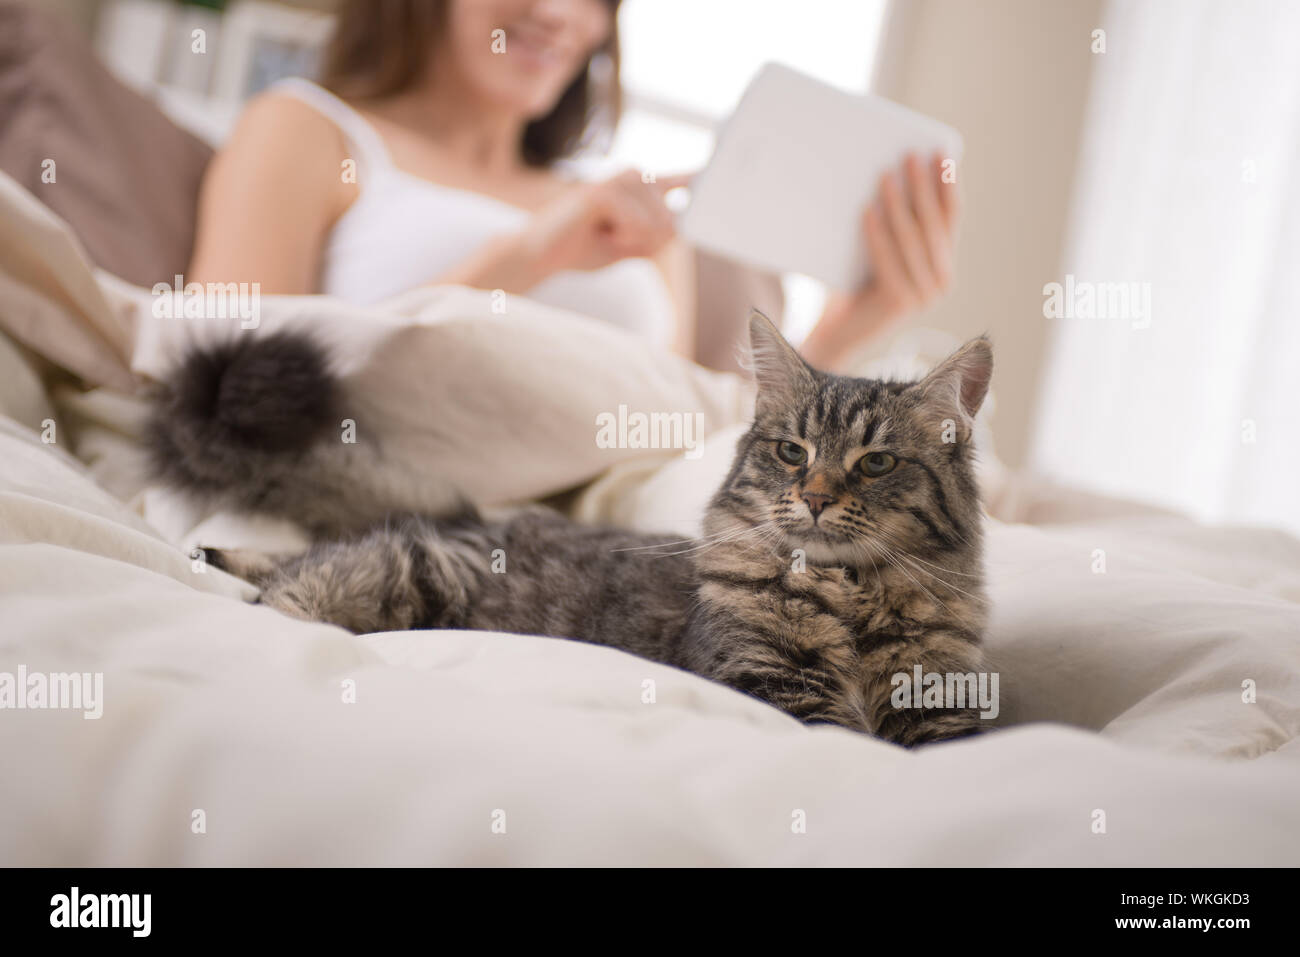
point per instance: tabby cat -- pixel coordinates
(843, 548)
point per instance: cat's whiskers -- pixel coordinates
(902, 553)
(723, 539)
(642, 548)
(860, 547)
(681, 541)
(770, 531)
(944, 582)
(879, 581)
(898, 553)
(893, 560)
(880, 532)
(865, 550)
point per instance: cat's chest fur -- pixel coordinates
(824, 607)
(823, 643)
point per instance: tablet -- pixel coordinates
(793, 170)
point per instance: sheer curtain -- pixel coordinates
(1189, 182)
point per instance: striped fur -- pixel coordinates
(253, 425)
(813, 586)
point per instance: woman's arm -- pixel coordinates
(269, 198)
(909, 233)
(588, 227)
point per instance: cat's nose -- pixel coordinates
(816, 502)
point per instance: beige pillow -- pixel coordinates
(454, 394)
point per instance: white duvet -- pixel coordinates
(1149, 676)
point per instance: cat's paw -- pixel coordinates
(215, 557)
(251, 566)
(932, 727)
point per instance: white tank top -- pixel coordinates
(402, 232)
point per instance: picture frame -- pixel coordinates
(265, 42)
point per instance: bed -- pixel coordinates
(1149, 666)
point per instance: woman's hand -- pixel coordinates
(598, 224)
(588, 227)
(909, 232)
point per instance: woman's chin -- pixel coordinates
(525, 95)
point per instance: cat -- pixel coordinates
(843, 548)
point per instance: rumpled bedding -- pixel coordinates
(1150, 701)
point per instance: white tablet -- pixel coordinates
(793, 170)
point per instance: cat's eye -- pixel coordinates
(876, 464)
(791, 453)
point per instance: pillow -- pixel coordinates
(124, 176)
(441, 393)
(23, 397)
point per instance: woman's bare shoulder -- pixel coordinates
(282, 156)
(287, 124)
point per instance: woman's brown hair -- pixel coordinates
(381, 47)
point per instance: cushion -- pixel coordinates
(124, 176)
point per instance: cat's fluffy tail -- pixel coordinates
(246, 397)
(257, 424)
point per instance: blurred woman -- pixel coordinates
(432, 152)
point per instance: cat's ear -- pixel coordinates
(781, 373)
(960, 382)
